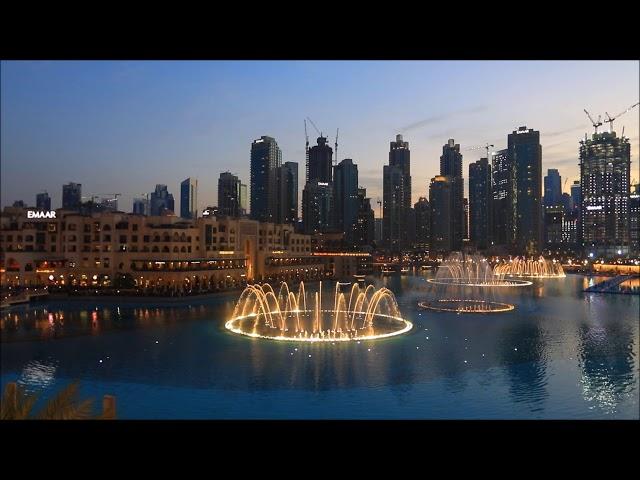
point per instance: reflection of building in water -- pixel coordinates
(523, 351)
(608, 364)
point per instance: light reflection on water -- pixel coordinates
(560, 354)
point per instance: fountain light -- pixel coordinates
(457, 305)
(355, 314)
(530, 268)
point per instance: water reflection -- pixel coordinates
(523, 350)
(607, 360)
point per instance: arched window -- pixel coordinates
(175, 249)
(183, 250)
(165, 249)
(155, 249)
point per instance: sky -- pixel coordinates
(125, 126)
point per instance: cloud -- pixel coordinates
(444, 116)
(562, 132)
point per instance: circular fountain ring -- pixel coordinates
(466, 306)
(479, 282)
(549, 275)
(393, 326)
(359, 313)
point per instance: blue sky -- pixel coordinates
(125, 126)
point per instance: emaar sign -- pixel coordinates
(41, 214)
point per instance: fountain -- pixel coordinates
(531, 268)
(355, 313)
(463, 284)
(473, 271)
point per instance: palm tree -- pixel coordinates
(17, 404)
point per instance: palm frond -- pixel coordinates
(66, 405)
(16, 403)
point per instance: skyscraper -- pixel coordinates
(397, 196)
(229, 192)
(320, 162)
(317, 195)
(465, 219)
(43, 201)
(266, 158)
(503, 185)
(576, 195)
(72, 196)
(161, 201)
(423, 223)
(526, 152)
(365, 223)
(288, 193)
(244, 199)
(451, 166)
(552, 187)
(345, 198)
(140, 206)
(440, 190)
(317, 207)
(189, 198)
(480, 203)
(634, 221)
(605, 161)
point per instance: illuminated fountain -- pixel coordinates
(355, 313)
(465, 284)
(531, 268)
(473, 271)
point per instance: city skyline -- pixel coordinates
(85, 122)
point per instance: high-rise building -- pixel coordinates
(377, 231)
(480, 198)
(605, 161)
(72, 196)
(634, 221)
(43, 201)
(553, 223)
(317, 207)
(229, 194)
(503, 186)
(397, 196)
(576, 199)
(567, 202)
(451, 166)
(552, 187)
(440, 190)
(288, 193)
(345, 199)
(423, 223)
(364, 227)
(576, 195)
(19, 204)
(266, 158)
(465, 219)
(320, 162)
(161, 201)
(108, 204)
(140, 206)
(189, 198)
(244, 199)
(525, 150)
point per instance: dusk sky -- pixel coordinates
(126, 126)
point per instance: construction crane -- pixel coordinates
(610, 119)
(594, 123)
(478, 147)
(335, 161)
(314, 126)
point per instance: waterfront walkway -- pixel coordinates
(612, 285)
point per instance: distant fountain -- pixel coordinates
(473, 271)
(465, 284)
(354, 313)
(530, 268)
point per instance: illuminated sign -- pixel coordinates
(226, 252)
(323, 184)
(41, 214)
(598, 207)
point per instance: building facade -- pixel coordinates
(161, 201)
(229, 194)
(451, 166)
(605, 162)
(397, 196)
(43, 201)
(440, 191)
(266, 158)
(423, 224)
(503, 185)
(480, 198)
(72, 196)
(525, 151)
(345, 199)
(189, 198)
